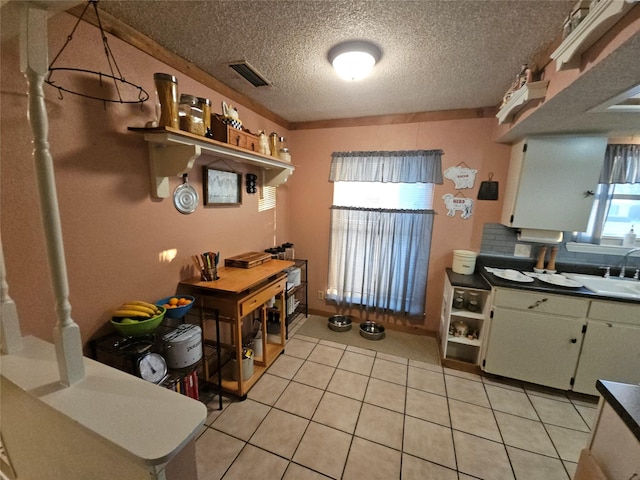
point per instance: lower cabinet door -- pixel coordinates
(533, 347)
(611, 351)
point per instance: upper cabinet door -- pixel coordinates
(551, 182)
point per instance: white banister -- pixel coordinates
(9, 322)
(34, 64)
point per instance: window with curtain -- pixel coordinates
(381, 225)
(616, 208)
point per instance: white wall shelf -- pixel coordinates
(522, 96)
(601, 17)
(174, 152)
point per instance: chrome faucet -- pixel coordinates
(624, 261)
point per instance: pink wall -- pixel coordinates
(467, 141)
(114, 233)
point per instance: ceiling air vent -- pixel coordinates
(247, 72)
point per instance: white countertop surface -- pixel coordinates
(146, 422)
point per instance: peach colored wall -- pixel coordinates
(114, 233)
(467, 141)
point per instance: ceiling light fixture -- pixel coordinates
(354, 60)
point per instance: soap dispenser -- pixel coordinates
(629, 238)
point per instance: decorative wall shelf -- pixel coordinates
(520, 98)
(601, 17)
(173, 152)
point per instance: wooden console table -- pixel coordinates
(238, 293)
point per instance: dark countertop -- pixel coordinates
(625, 400)
(467, 281)
(537, 285)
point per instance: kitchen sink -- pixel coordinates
(610, 287)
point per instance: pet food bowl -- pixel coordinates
(372, 331)
(339, 323)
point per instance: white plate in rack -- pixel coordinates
(513, 275)
(559, 280)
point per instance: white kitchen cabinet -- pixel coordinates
(551, 181)
(462, 348)
(611, 347)
(535, 337)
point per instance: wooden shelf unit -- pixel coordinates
(237, 297)
(174, 152)
(602, 15)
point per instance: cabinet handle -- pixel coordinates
(538, 303)
(589, 193)
(574, 340)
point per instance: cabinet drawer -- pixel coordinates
(251, 142)
(615, 312)
(227, 134)
(543, 303)
(260, 297)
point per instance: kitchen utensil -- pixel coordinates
(551, 266)
(185, 197)
(183, 346)
(515, 278)
(488, 189)
(371, 330)
(541, 254)
(559, 280)
(339, 323)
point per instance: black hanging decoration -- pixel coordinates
(99, 91)
(251, 182)
(488, 189)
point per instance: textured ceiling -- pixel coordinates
(436, 55)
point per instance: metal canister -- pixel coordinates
(205, 106)
(167, 100)
(274, 142)
(190, 115)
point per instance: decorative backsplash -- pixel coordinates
(500, 240)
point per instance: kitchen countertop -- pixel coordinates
(625, 400)
(537, 285)
(467, 281)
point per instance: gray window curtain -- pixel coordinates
(379, 258)
(621, 165)
(406, 166)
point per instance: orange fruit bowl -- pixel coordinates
(177, 305)
(141, 327)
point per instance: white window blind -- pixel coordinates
(396, 196)
(267, 198)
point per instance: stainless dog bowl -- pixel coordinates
(372, 331)
(339, 323)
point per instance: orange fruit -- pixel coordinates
(173, 301)
(183, 301)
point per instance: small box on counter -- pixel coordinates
(247, 260)
(223, 132)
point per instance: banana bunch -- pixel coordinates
(136, 309)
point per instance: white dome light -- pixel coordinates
(354, 60)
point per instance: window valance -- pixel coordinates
(408, 166)
(621, 164)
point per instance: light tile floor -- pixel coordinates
(325, 410)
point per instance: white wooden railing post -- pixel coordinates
(9, 322)
(34, 64)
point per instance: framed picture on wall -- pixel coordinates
(222, 188)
